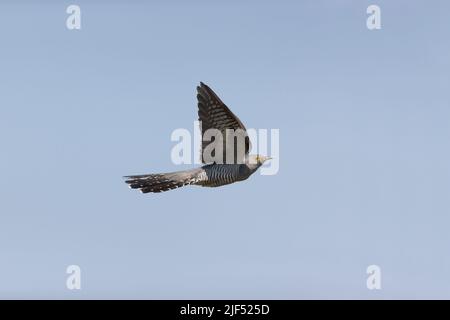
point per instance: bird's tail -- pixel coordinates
(160, 182)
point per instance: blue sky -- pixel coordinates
(364, 160)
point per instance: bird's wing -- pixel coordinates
(214, 114)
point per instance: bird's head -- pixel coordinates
(258, 159)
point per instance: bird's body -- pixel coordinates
(210, 175)
(213, 114)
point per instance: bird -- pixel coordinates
(214, 115)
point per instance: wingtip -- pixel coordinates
(202, 88)
(203, 85)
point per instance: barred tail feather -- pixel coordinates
(160, 182)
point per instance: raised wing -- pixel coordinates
(214, 114)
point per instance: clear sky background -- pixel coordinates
(364, 149)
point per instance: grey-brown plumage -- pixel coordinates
(213, 114)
